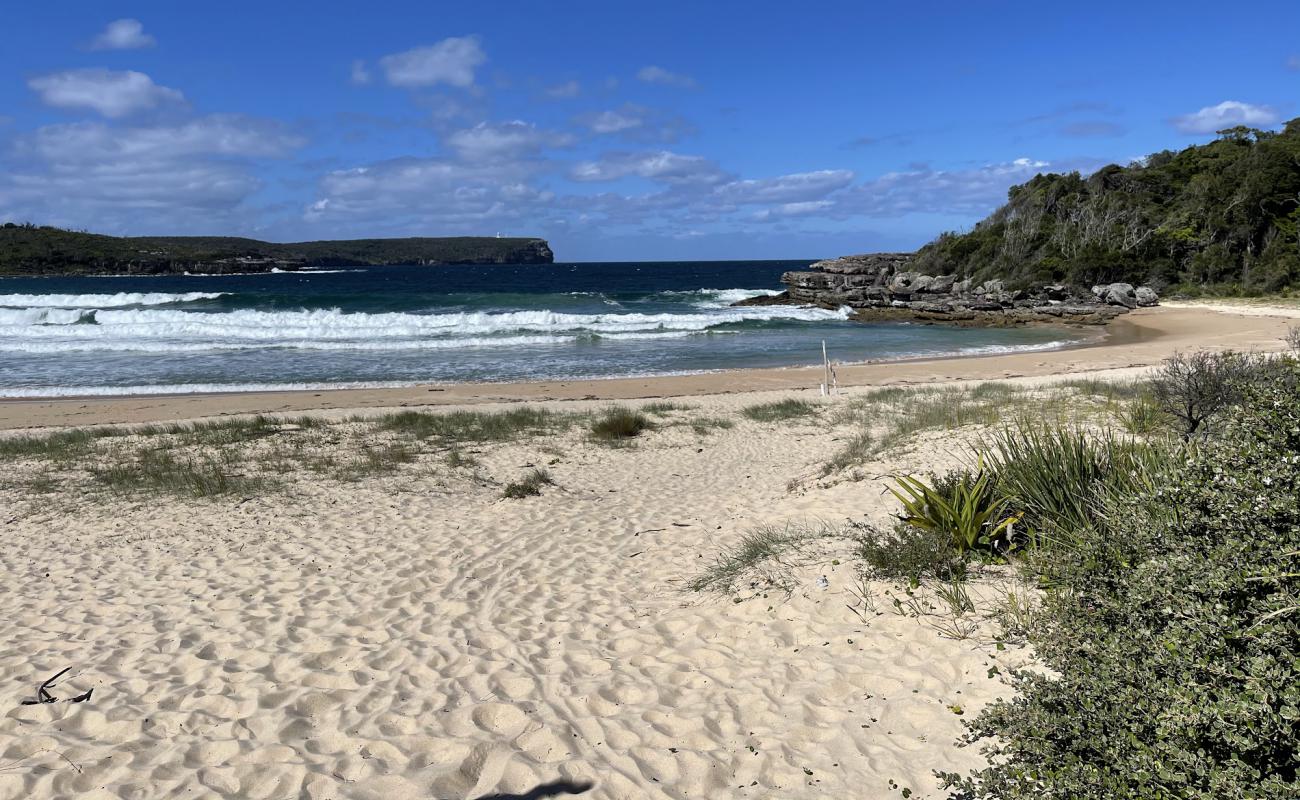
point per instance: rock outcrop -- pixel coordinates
(879, 286)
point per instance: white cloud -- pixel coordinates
(109, 92)
(800, 187)
(563, 91)
(123, 34)
(612, 121)
(1227, 114)
(974, 192)
(360, 73)
(191, 176)
(662, 166)
(661, 76)
(421, 194)
(503, 140)
(451, 61)
(226, 135)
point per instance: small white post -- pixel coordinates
(826, 370)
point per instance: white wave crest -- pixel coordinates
(174, 330)
(103, 300)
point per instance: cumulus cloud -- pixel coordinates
(663, 166)
(636, 123)
(451, 61)
(1227, 114)
(123, 34)
(109, 92)
(563, 91)
(612, 121)
(662, 77)
(973, 192)
(226, 135)
(796, 188)
(503, 140)
(428, 194)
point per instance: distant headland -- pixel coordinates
(43, 250)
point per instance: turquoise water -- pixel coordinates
(399, 325)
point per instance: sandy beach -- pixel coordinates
(413, 634)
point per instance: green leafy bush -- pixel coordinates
(965, 508)
(1172, 632)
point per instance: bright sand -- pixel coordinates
(417, 636)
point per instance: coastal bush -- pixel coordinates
(617, 424)
(965, 507)
(1058, 478)
(780, 410)
(1171, 637)
(1197, 388)
(908, 552)
(529, 486)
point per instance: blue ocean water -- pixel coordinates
(399, 325)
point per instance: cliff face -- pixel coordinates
(30, 250)
(880, 286)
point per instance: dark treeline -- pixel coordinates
(1218, 217)
(43, 250)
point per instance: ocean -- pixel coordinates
(391, 326)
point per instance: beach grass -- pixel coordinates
(473, 426)
(780, 410)
(619, 424)
(528, 486)
(765, 556)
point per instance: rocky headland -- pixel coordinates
(881, 287)
(43, 250)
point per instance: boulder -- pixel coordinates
(1118, 294)
(1146, 296)
(909, 282)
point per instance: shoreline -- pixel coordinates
(1141, 338)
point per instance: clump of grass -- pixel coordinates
(703, 426)
(529, 486)
(764, 555)
(662, 408)
(66, 445)
(619, 424)
(161, 472)
(456, 460)
(474, 426)
(1142, 416)
(858, 450)
(218, 433)
(780, 410)
(380, 459)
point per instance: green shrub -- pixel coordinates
(780, 410)
(966, 508)
(909, 552)
(618, 424)
(1171, 637)
(1059, 478)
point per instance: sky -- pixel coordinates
(617, 130)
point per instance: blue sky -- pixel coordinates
(618, 130)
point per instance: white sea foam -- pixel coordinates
(103, 300)
(174, 330)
